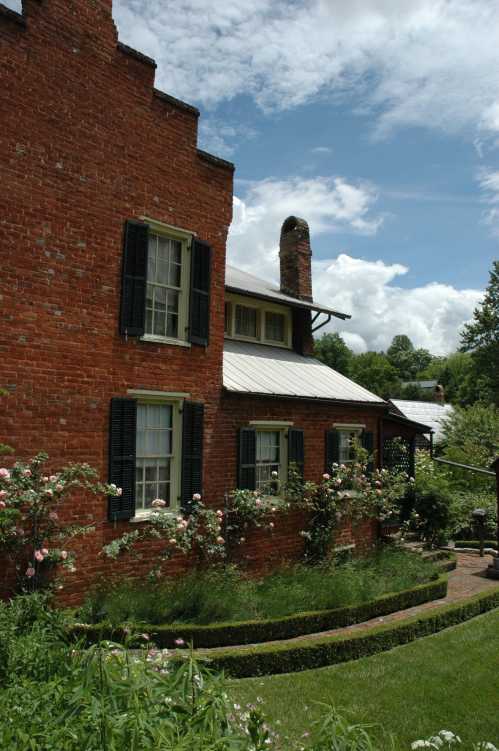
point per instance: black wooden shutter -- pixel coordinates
(199, 325)
(367, 440)
(296, 449)
(192, 452)
(134, 279)
(247, 459)
(332, 448)
(122, 437)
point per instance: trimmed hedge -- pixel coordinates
(258, 631)
(315, 653)
(475, 544)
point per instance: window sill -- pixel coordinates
(147, 515)
(164, 340)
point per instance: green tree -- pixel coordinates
(471, 436)
(332, 350)
(481, 337)
(408, 362)
(374, 371)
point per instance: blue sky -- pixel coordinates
(375, 120)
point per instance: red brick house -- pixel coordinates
(124, 342)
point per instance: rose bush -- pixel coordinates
(33, 534)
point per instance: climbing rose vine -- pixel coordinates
(33, 534)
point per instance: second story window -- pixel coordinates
(275, 327)
(164, 296)
(246, 321)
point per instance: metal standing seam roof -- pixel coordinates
(427, 413)
(275, 371)
(241, 282)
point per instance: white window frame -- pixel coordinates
(350, 429)
(176, 401)
(185, 238)
(280, 427)
(262, 307)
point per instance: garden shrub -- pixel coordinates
(313, 653)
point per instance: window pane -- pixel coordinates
(274, 327)
(246, 321)
(164, 277)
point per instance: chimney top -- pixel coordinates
(295, 259)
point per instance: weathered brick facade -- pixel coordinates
(86, 143)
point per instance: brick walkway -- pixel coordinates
(466, 580)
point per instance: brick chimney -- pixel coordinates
(295, 257)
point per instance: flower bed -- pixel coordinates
(249, 632)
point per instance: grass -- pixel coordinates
(227, 595)
(447, 681)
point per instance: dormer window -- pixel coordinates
(246, 322)
(275, 327)
(254, 320)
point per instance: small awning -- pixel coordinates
(274, 371)
(401, 420)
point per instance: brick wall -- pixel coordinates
(87, 143)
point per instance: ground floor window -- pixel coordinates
(346, 440)
(157, 458)
(268, 456)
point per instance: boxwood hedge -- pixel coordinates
(307, 653)
(258, 631)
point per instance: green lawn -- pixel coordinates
(448, 681)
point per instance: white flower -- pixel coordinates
(196, 497)
(158, 503)
(275, 474)
(421, 744)
(449, 736)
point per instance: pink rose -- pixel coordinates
(26, 473)
(59, 487)
(4, 474)
(220, 514)
(196, 497)
(45, 478)
(53, 478)
(325, 476)
(3, 494)
(379, 492)
(39, 555)
(64, 554)
(271, 525)
(3, 505)
(258, 502)
(30, 571)
(49, 491)
(179, 642)
(220, 540)
(158, 503)
(45, 551)
(242, 539)
(53, 516)
(338, 482)
(172, 541)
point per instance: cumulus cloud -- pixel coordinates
(431, 315)
(329, 205)
(432, 63)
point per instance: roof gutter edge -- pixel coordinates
(317, 399)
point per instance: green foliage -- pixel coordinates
(309, 653)
(31, 534)
(407, 361)
(481, 337)
(351, 492)
(471, 436)
(332, 350)
(321, 598)
(374, 371)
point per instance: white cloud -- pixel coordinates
(489, 183)
(433, 63)
(220, 138)
(328, 204)
(431, 315)
(321, 150)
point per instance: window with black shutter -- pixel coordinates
(122, 441)
(192, 452)
(296, 449)
(247, 459)
(199, 328)
(134, 278)
(332, 449)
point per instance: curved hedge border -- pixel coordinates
(315, 653)
(258, 631)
